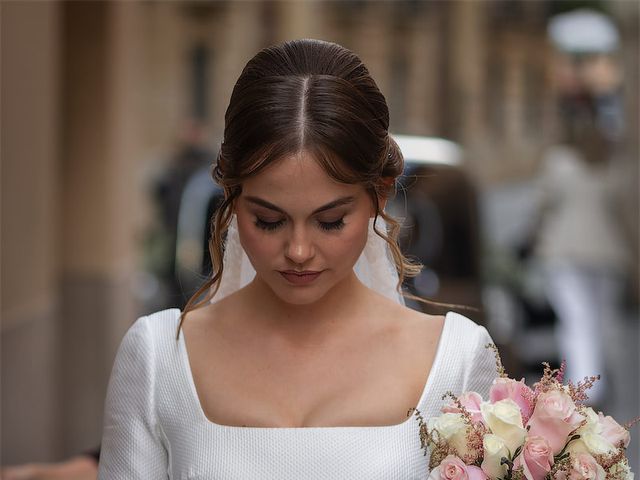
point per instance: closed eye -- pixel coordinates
(271, 226)
(337, 225)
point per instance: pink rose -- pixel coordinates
(469, 400)
(613, 431)
(554, 418)
(452, 468)
(536, 458)
(476, 473)
(585, 467)
(517, 391)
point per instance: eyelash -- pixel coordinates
(327, 226)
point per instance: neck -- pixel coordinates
(309, 325)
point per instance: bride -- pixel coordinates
(297, 359)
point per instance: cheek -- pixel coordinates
(256, 244)
(351, 243)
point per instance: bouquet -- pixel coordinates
(540, 433)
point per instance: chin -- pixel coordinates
(299, 296)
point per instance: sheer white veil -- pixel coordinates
(374, 268)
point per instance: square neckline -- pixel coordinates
(195, 399)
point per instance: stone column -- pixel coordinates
(467, 50)
(30, 56)
(371, 41)
(101, 205)
(423, 73)
(239, 37)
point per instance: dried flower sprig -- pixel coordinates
(475, 433)
(422, 425)
(609, 460)
(631, 423)
(561, 371)
(499, 366)
(548, 381)
(560, 468)
(518, 474)
(578, 392)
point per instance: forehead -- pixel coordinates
(297, 179)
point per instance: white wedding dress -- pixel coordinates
(155, 428)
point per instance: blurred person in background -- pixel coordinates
(581, 243)
(167, 189)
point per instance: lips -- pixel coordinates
(300, 278)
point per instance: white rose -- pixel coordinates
(494, 451)
(505, 420)
(435, 474)
(591, 439)
(452, 428)
(621, 470)
(596, 444)
(593, 424)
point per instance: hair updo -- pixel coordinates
(313, 96)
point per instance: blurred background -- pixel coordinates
(111, 117)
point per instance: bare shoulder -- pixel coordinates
(210, 317)
(413, 327)
(425, 326)
(406, 314)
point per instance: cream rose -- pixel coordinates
(519, 392)
(591, 438)
(452, 428)
(505, 420)
(621, 470)
(494, 451)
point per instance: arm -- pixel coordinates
(131, 442)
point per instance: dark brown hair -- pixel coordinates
(313, 96)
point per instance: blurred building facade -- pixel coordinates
(93, 94)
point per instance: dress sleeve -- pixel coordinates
(131, 444)
(483, 369)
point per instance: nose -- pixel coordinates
(299, 248)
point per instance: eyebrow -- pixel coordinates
(336, 203)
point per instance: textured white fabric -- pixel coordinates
(154, 426)
(374, 268)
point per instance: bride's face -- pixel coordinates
(303, 231)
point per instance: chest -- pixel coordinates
(370, 383)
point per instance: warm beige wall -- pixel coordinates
(72, 200)
(102, 203)
(30, 132)
(30, 212)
